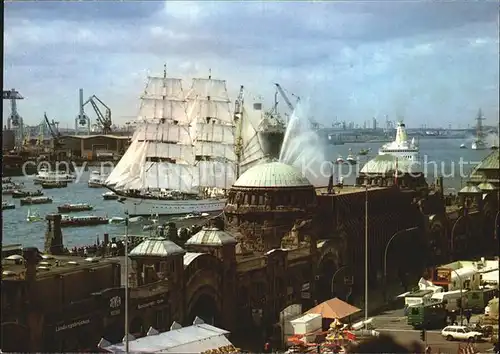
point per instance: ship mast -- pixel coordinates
(238, 119)
(479, 125)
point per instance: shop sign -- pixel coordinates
(115, 305)
(150, 304)
(72, 325)
(442, 276)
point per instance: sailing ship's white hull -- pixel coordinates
(147, 207)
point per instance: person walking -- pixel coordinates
(468, 315)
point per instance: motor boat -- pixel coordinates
(364, 152)
(6, 206)
(110, 196)
(54, 184)
(24, 194)
(339, 160)
(96, 180)
(195, 215)
(463, 146)
(117, 220)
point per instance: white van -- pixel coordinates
(450, 298)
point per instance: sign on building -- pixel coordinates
(442, 276)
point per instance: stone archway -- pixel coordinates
(15, 338)
(438, 243)
(326, 269)
(205, 304)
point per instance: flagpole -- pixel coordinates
(366, 252)
(126, 285)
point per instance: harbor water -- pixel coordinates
(441, 157)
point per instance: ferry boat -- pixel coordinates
(68, 208)
(54, 184)
(6, 206)
(44, 175)
(401, 147)
(35, 200)
(24, 194)
(110, 196)
(96, 180)
(91, 220)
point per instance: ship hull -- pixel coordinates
(478, 146)
(147, 207)
(271, 142)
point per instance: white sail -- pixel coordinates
(219, 133)
(170, 176)
(126, 163)
(208, 98)
(160, 87)
(215, 174)
(165, 132)
(252, 152)
(213, 88)
(156, 109)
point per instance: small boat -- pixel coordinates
(8, 190)
(6, 206)
(91, 220)
(54, 184)
(96, 180)
(494, 147)
(463, 146)
(35, 200)
(24, 194)
(6, 180)
(195, 215)
(340, 160)
(68, 208)
(350, 158)
(44, 175)
(110, 196)
(116, 220)
(364, 152)
(33, 217)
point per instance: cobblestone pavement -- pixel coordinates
(393, 322)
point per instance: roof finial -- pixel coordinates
(165, 71)
(209, 74)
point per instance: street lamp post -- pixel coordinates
(366, 252)
(461, 297)
(126, 286)
(385, 255)
(452, 236)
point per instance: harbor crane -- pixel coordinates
(82, 119)
(54, 131)
(15, 120)
(314, 124)
(103, 119)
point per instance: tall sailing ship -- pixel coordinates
(479, 143)
(187, 150)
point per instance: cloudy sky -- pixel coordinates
(432, 63)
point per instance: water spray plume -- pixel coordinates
(304, 149)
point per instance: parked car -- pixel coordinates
(461, 333)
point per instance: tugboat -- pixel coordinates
(6, 206)
(68, 208)
(35, 200)
(67, 220)
(54, 184)
(110, 196)
(350, 158)
(33, 217)
(24, 194)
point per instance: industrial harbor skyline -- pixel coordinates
(431, 63)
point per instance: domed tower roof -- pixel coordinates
(383, 164)
(156, 247)
(272, 175)
(211, 236)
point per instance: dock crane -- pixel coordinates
(103, 120)
(54, 132)
(314, 124)
(14, 120)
